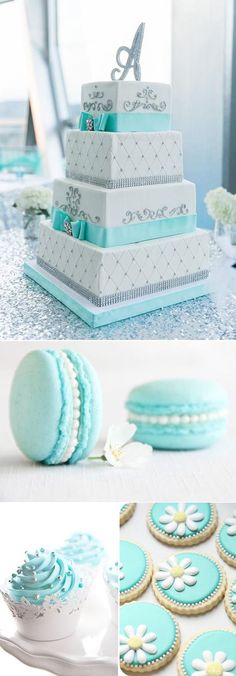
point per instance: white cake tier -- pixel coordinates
(129, 106)
(125, 215)
(109, 276)
(123, 160)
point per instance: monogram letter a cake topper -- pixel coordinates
(133, 58)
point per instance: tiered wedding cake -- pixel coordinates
(123, 239)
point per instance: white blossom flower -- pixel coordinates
(233, 598)
(177, 573)
(137, 644)
(180, 519)
(35, 199)
(231, 522)
(120, 453)
(221, 205)
(213, 664)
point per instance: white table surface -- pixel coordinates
(199, 475)
(136, 530)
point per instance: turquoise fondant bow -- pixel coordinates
(62, 221)
(88, 122)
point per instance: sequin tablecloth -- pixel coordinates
(28, 312)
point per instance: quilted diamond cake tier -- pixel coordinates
(123, 160)
(107, 277)
(127, 215)
(128, 106)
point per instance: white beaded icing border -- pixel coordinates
(73, 439)
(178, 419)
(196, 604)
(183, 538)
(168, 653)
(180, 663)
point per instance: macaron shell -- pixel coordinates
(161, 395)
(40, 406)
(191, 440)
(90, 406)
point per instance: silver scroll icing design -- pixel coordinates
(147, 100)
(96, 105)
(72, 205)
(154, 214)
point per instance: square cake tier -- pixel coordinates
(106, 277)
(127, 215)
(124, 160)
(128, 105)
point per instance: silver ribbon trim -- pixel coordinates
(122, 296)
(125, 182)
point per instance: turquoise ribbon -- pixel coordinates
(124, 234)
(126, 122)
(99, 122)
(60, 219)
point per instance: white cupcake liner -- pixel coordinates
(52, 620)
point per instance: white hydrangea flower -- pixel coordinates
(180, 519)
(137, 644)
(231, 522)
(35, 199)
(212, 665)
(177, 573)
(221, 205)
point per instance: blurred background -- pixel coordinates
(48, 48)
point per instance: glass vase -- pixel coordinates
(31, 223)
(225, 237)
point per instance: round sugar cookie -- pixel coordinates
(126, 511)
(149, 637)
(226, 540)
(211, 653)
(189, 583)
(182, 524)
(230, 601)
(136, 570)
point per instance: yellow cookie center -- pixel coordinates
(214, 669)
(180, 517)
(177, 571)
(135, 642)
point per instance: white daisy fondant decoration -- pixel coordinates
(233, 594)
(137, 644)
(180, 519)
(231, 522)
(121, 572)
(178, 574)
(213, 665)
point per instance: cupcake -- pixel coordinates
(45, 596)
(111, 575)
(85, 552)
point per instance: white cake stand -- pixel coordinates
(92, 650)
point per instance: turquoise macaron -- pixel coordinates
(55, 406)
(178, 414)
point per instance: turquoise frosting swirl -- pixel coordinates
(43, 574)
(83, 549)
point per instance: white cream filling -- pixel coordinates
(178, 419)
(73, 439)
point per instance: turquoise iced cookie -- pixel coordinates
(182, 524)
(135, 570)
(149, 637)
(212, 653)
(189, 584)
(55, 406)
(126, 511)
(226, 540)
(178, 414)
